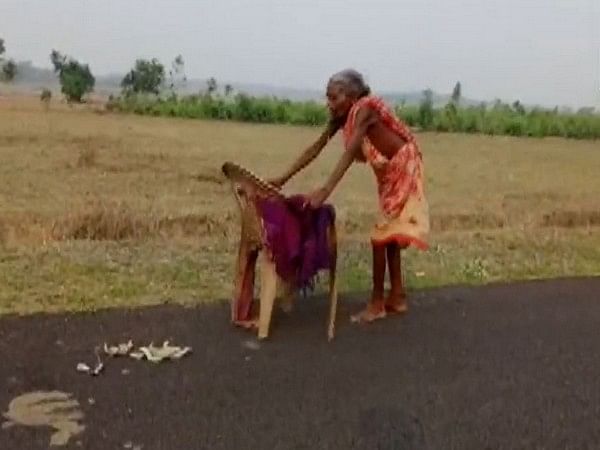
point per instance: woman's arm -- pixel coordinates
(365, 117)
(308, 155)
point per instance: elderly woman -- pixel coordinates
(374, 135)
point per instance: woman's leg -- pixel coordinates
(396, 300)
(376, 307)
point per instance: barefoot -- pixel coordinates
(373, 311)
(396, 307)
(247, 324)
(396, 304)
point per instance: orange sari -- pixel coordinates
(403, 207)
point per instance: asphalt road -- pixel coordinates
(498, 367)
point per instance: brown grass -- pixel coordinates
(80, 190)
(87, 157)
(98, 221)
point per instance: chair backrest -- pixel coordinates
(247, 189)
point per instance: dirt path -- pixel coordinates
(496, 367)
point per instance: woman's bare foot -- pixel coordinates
(247, 324)
(396, 303)
(375, 310)
(398, 306)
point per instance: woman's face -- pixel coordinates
(338, 100)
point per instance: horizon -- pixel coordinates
(301, 93)
(282, 91)
(548, 54)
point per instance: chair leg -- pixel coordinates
(333, 293)
(268, 292)
(241, 303)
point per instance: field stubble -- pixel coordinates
(104, 210)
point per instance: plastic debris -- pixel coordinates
(84, 368)
(118, 350)
(158, 354)
(150, 353)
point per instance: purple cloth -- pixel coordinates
(297, 237)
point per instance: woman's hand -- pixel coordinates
(278, 182)
(316, 198)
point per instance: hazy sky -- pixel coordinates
(544, 51)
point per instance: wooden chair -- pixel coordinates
(247, 189)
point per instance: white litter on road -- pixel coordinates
(151, 353)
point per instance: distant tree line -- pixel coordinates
(150, 88)
(496, 119)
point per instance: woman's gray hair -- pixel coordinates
(353, 81)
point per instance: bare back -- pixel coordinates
(385, 139)
(387, 134)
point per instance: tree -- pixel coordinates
(426, 109)
(177, 73)
(518, 107)
(76, 79)
(8, 68)
(452, 119)
(456, 93)
(211, 85)
(57, 60)
(147, 76)
(228, 90)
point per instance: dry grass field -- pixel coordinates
(103, 210)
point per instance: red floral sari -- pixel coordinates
(404, 208)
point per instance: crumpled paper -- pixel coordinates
(150, 353)
(84, 368)
(118, 350)
(157, 354)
